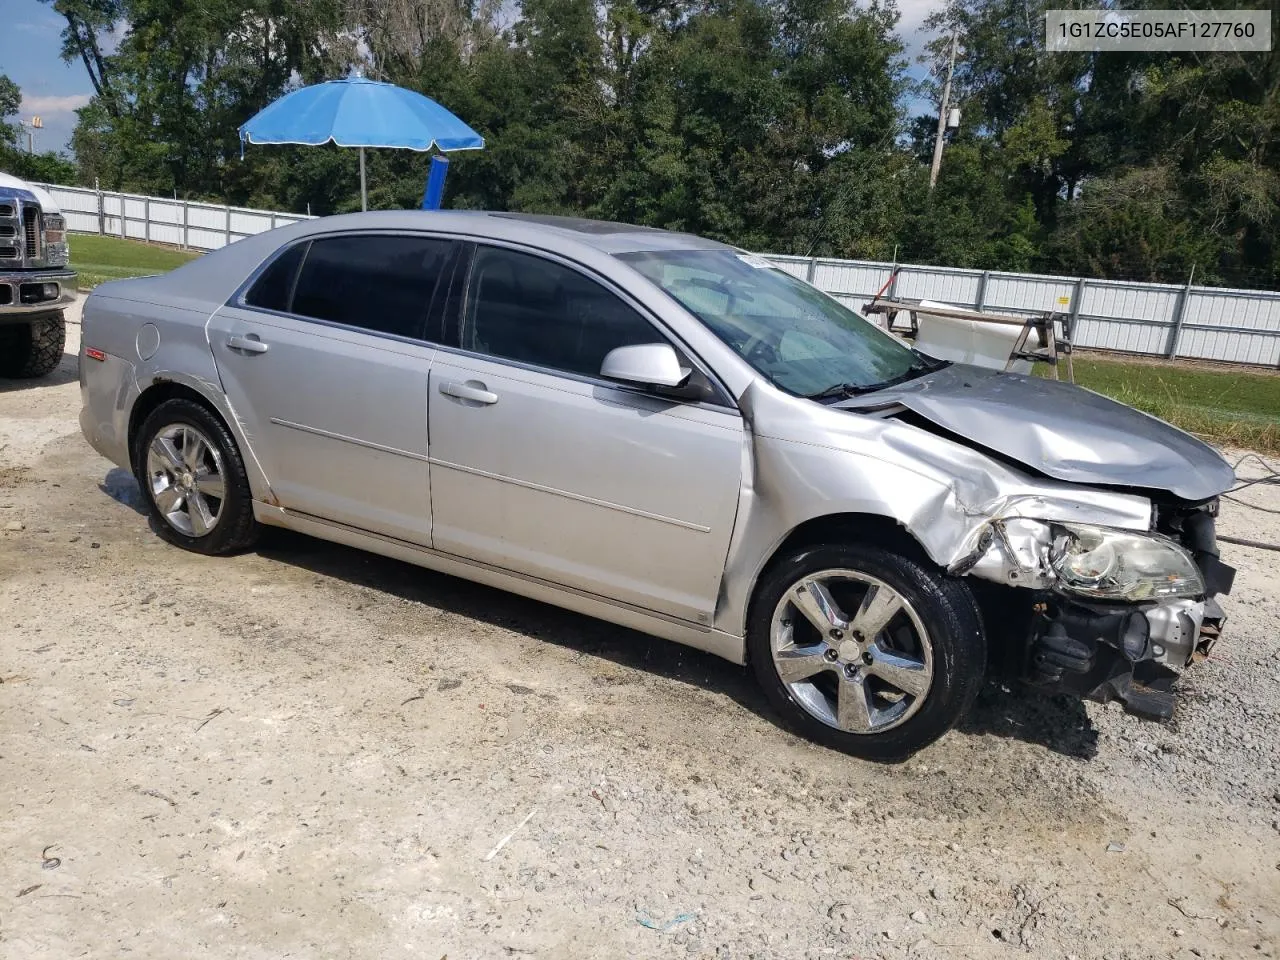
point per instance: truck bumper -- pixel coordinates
(27, 293)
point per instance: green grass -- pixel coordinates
(99, 259)
(1226, 406)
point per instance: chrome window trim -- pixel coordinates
(726, 401)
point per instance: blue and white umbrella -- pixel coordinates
(360, 113)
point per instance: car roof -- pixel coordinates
(534, 228)
(611, 236)
(211, 279)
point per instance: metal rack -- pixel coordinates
(1053, 328)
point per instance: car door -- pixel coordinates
(325, 359)
(541, 467)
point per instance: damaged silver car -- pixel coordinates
(668, 434)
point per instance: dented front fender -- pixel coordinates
(802, 463)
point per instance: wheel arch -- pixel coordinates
(176, 386)
(845, 527)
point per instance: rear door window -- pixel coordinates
(274, 286)
(377, 282)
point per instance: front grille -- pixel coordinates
(6, 210)
(31, 231)
(8, 230)
(8, 253)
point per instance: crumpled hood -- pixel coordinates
(1060, 430)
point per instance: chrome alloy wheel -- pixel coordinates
(184, 470)
(864, 673)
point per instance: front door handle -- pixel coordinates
(466, 391)
(249, 344)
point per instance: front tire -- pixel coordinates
(32, 349)
(193, 479)
(864, 650)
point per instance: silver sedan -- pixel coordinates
(672, 435)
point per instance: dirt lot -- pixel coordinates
(311, 752)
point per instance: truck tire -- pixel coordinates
(32, 349)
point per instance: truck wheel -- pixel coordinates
(193, 479)
(32, 349)
(865, 650)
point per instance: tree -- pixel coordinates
(772, 124)
(10, 104)
(48, 167)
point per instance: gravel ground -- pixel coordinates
(308, 751)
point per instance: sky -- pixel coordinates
(30, 53)
(31, 45)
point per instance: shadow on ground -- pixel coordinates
(119, 484)
(1057, 723)
(67, 371)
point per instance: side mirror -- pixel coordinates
(645, 364)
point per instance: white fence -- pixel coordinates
(182, 223)
(1211, 323)
(1208, 323)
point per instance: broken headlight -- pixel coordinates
(1119, 565)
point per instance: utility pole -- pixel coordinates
(942, 116)
(32, 125)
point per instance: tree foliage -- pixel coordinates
(775, 124)
(45, 167)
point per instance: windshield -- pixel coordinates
(804, 341)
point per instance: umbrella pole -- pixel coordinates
(364, 192)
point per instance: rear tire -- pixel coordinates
(864, 650)
(32, 349)
(193, 480)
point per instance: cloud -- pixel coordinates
(48, 105)
(910, 26)
(45, 24)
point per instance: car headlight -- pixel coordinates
(56, 250)
(1119, 565)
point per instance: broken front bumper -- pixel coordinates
(1119, 652)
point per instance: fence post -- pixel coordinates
(123, 232)
(227, 241)
(1077, 297)
(1180, 314)
(146, 219)
(273, 221)
(186, 219)
(980, 300)
(102, 214)
(811, 271)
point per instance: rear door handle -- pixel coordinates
(249, 344)
(465, 391)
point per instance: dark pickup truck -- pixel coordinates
(35, 281)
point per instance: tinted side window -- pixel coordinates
(380, 283)
(272, 288)
(522, 307)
